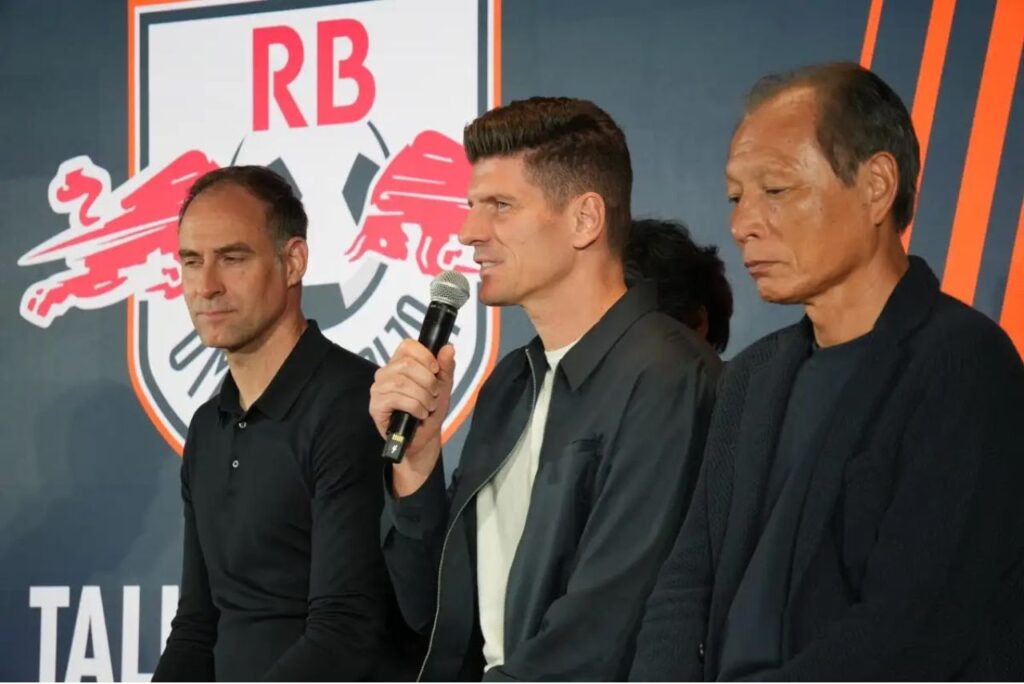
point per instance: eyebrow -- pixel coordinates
(763, 169)
(234, 247)
(492, 197)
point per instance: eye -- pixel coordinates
(734, 199)
(502, 206)
(233, 258)
(190, 262)
(775, 192)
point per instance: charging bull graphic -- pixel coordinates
(124, 243)
(120, 243)
(424, 187)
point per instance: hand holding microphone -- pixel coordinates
(410, 395)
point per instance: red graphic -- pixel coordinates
(120, 243)
(424, 186)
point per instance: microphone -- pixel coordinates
(449, 290)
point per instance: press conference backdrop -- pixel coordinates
(109, 110)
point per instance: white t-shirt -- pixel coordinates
(501, 508)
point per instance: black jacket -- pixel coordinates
(908, 558)
(625, 430)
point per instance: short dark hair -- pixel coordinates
(571, 146)
(858, 116)
(286, 217)
(687, 276)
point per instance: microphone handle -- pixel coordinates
(437, 327)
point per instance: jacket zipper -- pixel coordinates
(444, 545)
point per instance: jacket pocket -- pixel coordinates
(572, 477)
(572, 460)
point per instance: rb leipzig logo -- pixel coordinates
(356, 106)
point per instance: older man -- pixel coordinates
(858, 513)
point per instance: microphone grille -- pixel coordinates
(451, 288)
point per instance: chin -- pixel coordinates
(773, 294)
(490, 298)
(489, 301)
(216, 339)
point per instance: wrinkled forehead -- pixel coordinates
(782, 128)
(793, 110)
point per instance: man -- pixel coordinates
(536, 563)
(690, 279)
(282, 576)
(858, 512)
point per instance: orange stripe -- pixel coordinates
(131, 88)
(158, 423)
(496, 74)
(133, 5)
(981, 167)
(867, 52)
(154, 417)
(1012, 318)
(929, 78)
(495, 312)
(492, 359)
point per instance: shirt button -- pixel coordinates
(241, 424)
(234, 464)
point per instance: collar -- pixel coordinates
(595, 344)
(288, 382)
(907, 308)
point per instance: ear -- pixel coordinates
(589, 219)
(703, 324)
(295, 257)
(880, 176)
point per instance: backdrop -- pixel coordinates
(108, 111)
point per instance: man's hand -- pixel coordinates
(421, 385)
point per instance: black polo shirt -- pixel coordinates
(283, 576)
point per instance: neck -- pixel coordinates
(850, 308)
(565, 313)
(254, 366)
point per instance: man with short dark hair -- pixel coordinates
(690, 279)
(536, 563)
(858, 513)
(282, 575)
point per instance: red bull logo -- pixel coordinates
(124, 243)
(119, 243)
(423, 188)
(317, 94)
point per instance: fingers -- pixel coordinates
(446, 363)
(399, 388)
(407, 375)
(413, 381)
(411, 349)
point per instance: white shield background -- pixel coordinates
(195, 91)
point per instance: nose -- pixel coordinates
(747, 220)
(205, 280)
(474, 229)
